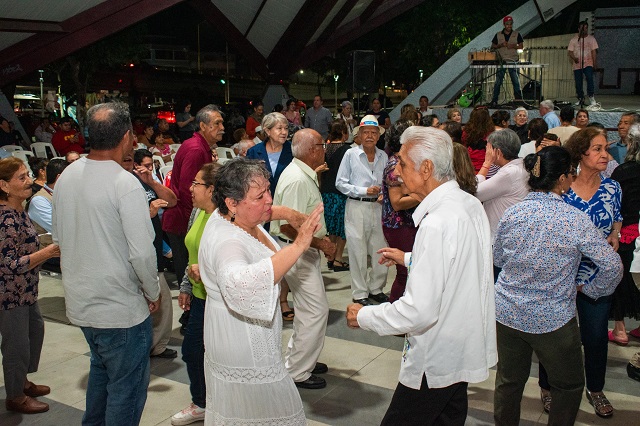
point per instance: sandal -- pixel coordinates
(601, 404)
(545, 397)
(287, 314)
(618, 341)
(344, 266)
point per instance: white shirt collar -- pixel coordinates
(432, 200)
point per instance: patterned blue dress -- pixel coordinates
(604, 210)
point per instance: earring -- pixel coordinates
(233, 217)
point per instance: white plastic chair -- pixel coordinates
(224, 152)
(58, 158)
(24, 156)
(164, 170)
(11, 148)
(40, 149)
(175, 146)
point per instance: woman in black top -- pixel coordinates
(626, 299)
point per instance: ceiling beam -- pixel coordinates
(216, 18)
(351, 31)
(370, 10)
(83, 29)
(297, 35)
(336, 21)
(255, 17)
(29, 26)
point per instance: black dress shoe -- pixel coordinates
(168, 353)
(363, 302)
(633, 372)
(380, 297)
(320, 368)
(313, 382)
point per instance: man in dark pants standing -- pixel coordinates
(192, 155)
(582, 52)
(506, 43)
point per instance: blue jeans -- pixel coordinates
(119, 374)
(593, 317)
(577, 75)
(193, 352)
(513, 74)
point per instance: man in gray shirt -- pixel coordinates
(101, 223)
(319, 118)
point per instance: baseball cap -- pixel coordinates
(506, 19)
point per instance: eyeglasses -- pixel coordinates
(194, 183)
(323, 145)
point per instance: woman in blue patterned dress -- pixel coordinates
(539, 245)
(600, 198)
(334, 200)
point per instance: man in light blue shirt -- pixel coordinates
(360, 179)
(40, 206)
(548, 115)
(618, 150)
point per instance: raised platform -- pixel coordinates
(611, 108)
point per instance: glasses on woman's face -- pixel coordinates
(195, 183)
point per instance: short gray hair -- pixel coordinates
(270, 120)
(204, 115)
(234, 180)
(547, 104)
(345, 103)
(507, 141)
(521, 109)
(107, 124)
(435, 145)
(633, 143)
(302, 143)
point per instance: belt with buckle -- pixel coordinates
(285, 240)
(366, 200)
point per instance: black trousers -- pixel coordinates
(180, 254)
(439, 406)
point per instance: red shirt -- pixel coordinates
(194, 153)
(62, 141)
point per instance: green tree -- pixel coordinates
(74, 72)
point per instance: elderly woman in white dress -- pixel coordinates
(241, 267)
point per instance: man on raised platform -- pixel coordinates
(506, 43)
(582, 52)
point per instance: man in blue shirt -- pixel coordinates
(618, 150)
(548, 115)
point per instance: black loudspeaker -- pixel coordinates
(532, 91)
(362, 71)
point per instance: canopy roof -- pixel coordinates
(276, 36)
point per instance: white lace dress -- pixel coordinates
(247, 383)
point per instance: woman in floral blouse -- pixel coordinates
(21, 324)
(539, 245)
(397, 207)
(600, 198)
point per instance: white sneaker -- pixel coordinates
(577, 104)
(190, 414)
(592, 100)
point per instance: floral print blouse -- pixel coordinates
(390, 217)
(604, 210)
(18, 239)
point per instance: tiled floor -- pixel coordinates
(363, 372)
